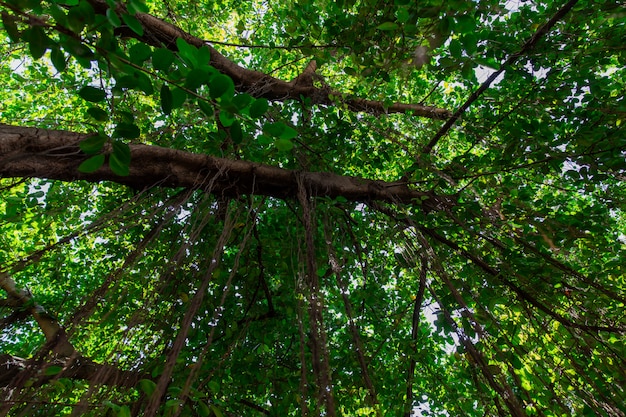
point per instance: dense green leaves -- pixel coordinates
(498, 290)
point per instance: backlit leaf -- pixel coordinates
(284, 145)
(91, 164)
(388, 26)
(133, 24)
(93, 144)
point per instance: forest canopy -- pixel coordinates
(315, 208)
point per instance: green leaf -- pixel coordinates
(166, 99)
(178, 98)
(455, 48)
(350, 71)
(162, 59)
(76, 49)
(204, 55)
(58, 59)
(93, 144)
(53, 370)
(470, 42)
(203, 409)
(92, 164)
(206, 107)
(242, 100)
(59, 14)
(98, 114)
(188, 53)
(226, 118)
(38, 42)
(288, 133)
(113, 18)
(119, 161)
(135, 6)
(8, 22)
(80, 16)
(283, 145)
(197, 77)
(402, 14)
(258, 108)
(133, 24)
(92, 94)
(388, 26)
(144, 83)
(220, 85)
(147, 386)
(277, 129)
(139, 53)
(465, 24)
(236, 133)
(216, 411)
(126, 130)
(264, 139)
(124, 411)
(127, 81)
(111, 405)
(122, 151)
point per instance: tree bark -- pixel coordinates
(54, 154)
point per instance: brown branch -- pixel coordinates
(163, 34)
(336, 269)
(11, 367)
(73, 364)
(55, 335)
(318, 342)
(528, 45)
(54, 154)
(417, 307)
(521, 293)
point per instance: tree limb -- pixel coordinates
(54, 154)
(73, 365)
(163, 34)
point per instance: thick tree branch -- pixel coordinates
(54, 154)
(73, 368)
(73, 364)
(163, 34)
(54, 333)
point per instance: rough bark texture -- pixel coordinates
(12, 367)
(55, 154)
(15, 371)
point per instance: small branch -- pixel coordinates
(528, 45)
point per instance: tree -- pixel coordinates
(312, 208)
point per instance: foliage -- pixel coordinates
(500, 291)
